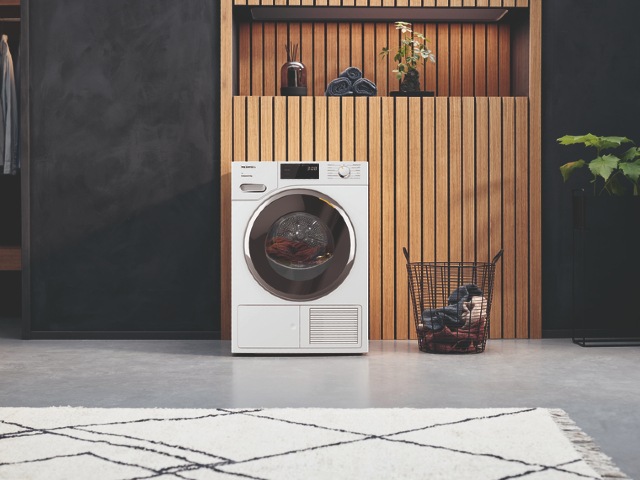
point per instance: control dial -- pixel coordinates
(344, 172)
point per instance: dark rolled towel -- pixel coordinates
(340, 87)
(352, 73)
(365, 87)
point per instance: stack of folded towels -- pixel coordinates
(351, 83)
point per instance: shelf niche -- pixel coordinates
(476, 59)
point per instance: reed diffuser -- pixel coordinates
(293, 75)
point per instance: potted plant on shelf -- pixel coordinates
(412, 51)
(606, 231)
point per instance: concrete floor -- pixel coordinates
(598, 387)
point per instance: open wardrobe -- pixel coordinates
(10, 165)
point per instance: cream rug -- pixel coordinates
(89, 443)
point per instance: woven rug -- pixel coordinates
(80, 443)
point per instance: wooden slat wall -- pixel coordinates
(472, 59)
(452, 178)
(391, 3)
(456, 191)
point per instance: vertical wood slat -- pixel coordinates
(442, 59)
(344, 46)
(393, 39)
(280, 128)
(468, 74)
(375, 219)
(331, 52)
(370, 55)
(508, 218)
(360, 126)
(492, 57)
(468, 178)
(307, 54)
(504, 68)
(535, 165)
(508, 3)
(319, 57)
(522, 218)
(495, 209)
(226, 156)
(347, 134)
(269, 68)
(244, 55)
(381, 67)
(356, 45)
(388, 225)
(455, 59)
(429, 178)
(480, 60)
(282, 37)
(431, 73)
(253, 128)
(442, 180)
(455, 179)
(239, 130)
(307, 139)
(522, 3)
(257, 75)
(482, 181)
(334, 130)
(401, 216)
(320, 126)
(415, 197)
(482, 3)
(293, 129)
(266, 129)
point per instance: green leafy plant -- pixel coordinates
(613, 168)
(412, 50)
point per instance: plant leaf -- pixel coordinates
(568, 168)
(590, 140)
(631, 170)
(630, 154)
(615, 186)
(604, 165)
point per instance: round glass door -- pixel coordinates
(300, 245)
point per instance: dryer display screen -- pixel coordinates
(300, 171)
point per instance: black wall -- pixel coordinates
(124, 165)
(590, 83)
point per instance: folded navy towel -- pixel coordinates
(340, 87)
(365, 87)
(352, 73)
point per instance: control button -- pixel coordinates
(344, 172)
(253, 187)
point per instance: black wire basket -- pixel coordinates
(451, 304)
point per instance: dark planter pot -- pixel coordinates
(606, 270)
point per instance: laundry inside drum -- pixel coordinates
(299, 246)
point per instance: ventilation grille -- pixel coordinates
(333, 325)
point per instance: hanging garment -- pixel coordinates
(9, 105)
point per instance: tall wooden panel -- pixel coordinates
(388, 223)
(375, 219)
(401, 216)
(455, 177)
(535, 169)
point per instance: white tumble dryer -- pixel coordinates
(299, 257)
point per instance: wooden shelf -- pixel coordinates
(251, 13)
(10, 258)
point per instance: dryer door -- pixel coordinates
(300, 245)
